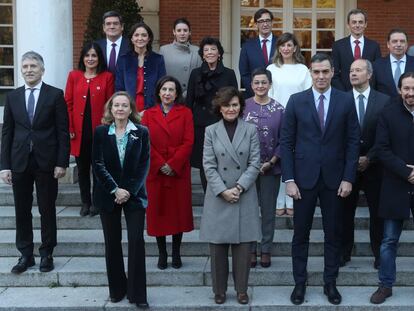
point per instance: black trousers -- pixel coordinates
(46, 193)
(135, 286)
(304, 209)
(371, 188)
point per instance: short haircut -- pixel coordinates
(210, 41)
(408, 74)
(297, 55)
(320, 57)
(397, 30)
(223, 97)
(178, 89)
(181, 20)
(111, 14)
(262, 71)
(354, 12)
(108, 118)
(149, 31)
(101, 60)
(34, 56)
(260, 12)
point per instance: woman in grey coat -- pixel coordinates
(231, 161)
(180, 56)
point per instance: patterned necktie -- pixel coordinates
(112, 58)
(30, 105)
(321, 112)
(397, 73)
(264, 49)
(361, 109)
(357, 52)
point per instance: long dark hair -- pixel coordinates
(101, 60)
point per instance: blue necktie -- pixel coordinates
(30, 106)
(397, 73)
(321, 112)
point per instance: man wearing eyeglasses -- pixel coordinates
(257, 52)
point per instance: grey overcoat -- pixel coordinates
(225, 164)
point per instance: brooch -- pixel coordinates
(134, 137)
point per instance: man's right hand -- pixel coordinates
(292, 190)
(6, 176)
(411, 176)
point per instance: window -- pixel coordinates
(314, 22)
(6, 48)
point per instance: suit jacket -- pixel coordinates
(110, 174)
(308, 152)
(251, 57)
(384, 78)
(225, 164)
(100, 89)
(395, 147)
(343, 58)
(48, 134)
(126, 75)
(123, 49)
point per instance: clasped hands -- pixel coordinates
(167, 170)
(292, 190)
(231, 195)
(121, 196)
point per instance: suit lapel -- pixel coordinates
(312, 107)
(331, 108)
(388, 73)
(260, 51)
(162, 120)
(21, 104)
(223, 137)
(40, 102)
(370, 109)
(239, 134)
(112, 139)
(349, 55)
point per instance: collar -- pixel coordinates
(130, 127)
(365, 93)
(316, 94)
(361, 40)
(37, 86)
(118, 42)
(405, 106)
(270, 38)
(393, 59)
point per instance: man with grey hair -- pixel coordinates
(369, 104)
(34, 150)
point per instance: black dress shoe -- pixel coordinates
(162, 261)
(298, 295)
(93, 211)
(344, 260)
(376, 263)
(334, 297)
(84, 209)
(142, 305)
(117, 299)
(23, 263)
(46, 264)
(176, 262)
(220, 298)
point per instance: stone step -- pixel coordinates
(91, 243)
(91, 271)
(198, 298)
(68, 218)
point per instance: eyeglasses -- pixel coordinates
(264, 21)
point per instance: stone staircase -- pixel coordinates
(79, 279)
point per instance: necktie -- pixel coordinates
(361, 109)
(357, 52)
(112, 58)
(30, 105)
(321, 112)
(264, 49)
(397, 73)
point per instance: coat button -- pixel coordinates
(84, 96)
(222, 154)
(238, 167)
(224, 181)
(87, 81)
(225, 168)
(240, 152)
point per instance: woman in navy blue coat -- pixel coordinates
(138, 71)
(120, 164)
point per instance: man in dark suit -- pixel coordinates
(395, 150)
(355, 46)
(369, 104)
(319, 148)
(388, 69)
(114, 45)
(34, 149)
(257, 52)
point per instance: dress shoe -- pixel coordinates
(280, 212)
(220, 298)
(176, 262)
(242, 298)
(298, 295)
(93, 211)
(380, 295)
(84, 209)
(46, 264)
(376, 263)
(265, 260)
(162, 261)
(117, 299)
(334, 297)
(343, 260)
(142, 305)
(253, 260)
(23, 263)
(289, 211)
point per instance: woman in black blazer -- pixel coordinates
(120, 164)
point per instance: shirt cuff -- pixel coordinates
(289, 180)
(5, 171)
(113, 191)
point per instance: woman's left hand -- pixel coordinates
(167, 170)
(265, 167)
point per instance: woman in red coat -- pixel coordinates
(87, 91)
(169, 212)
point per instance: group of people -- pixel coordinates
(141, 119)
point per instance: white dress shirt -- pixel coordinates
(353, 44)
(35, 94)
(109, 49)
(268, 44)
(393, 61)
(356, 100)
(326, 100)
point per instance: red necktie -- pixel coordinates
(357, 52)
(264, 49)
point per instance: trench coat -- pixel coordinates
(227, 164)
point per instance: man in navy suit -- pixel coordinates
(355, 46)
(388, 69)
(319, 148)
(257, 52)
(114, 45)
(369, 104)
